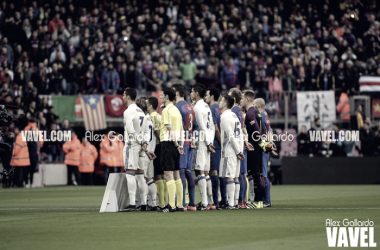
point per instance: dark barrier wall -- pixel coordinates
(337, 170)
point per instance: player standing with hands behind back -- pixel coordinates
(133, 121)
(232, 148)
(204, 142)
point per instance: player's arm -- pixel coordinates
(230, 129)
(175, 141)
(217, 134)
(202, 125)
(128, 127)
(145, 132)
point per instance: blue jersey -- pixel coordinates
(188, 117)
(216, 112)
(239, 114)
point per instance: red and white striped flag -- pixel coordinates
(369, 83)
(93, 112)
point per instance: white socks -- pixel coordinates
(131, 183)
(209, 190)
(237, 190)
(251, 188)
(203, 188)
(230, 192)
(143, 188)
(152, 193)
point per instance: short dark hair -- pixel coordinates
(153, 101)
(131, 92)
(215, 92)
(200, 89)
(170, 93)
(236, 93)
(229, 100)
(141, 103)
(250, 94)
(180, 88)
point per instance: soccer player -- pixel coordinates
(170, 135)
(146, 159)
(254, 158)
(212, 98)
(133, 121)
(259, 104)
(232, 149)
(152, 104)
(241, 181)
(203, 142)
(186, 160)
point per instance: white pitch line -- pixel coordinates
(272, 208)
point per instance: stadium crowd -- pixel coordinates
(63, 47)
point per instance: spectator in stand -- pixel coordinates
(376, 141)
(358, 121)
(229, 78)
(53, 24)
(303, 142)
(110, 80)
(56, 77)
(91, 81)
(188, 70)
(275, 82)
(326, 79)
(366, 140)
(289, 82)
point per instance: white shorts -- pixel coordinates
(229, 167)
(131, 157)
(201, 159)
(146, 164)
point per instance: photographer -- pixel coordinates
(5, 155)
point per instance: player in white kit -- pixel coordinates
(202, 142)
(134, 143)
(231, 147)
(146, 160)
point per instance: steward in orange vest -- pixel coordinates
(88, 156)
(72, 149)
(20, 158)
(120, 154)
(343, 107)
(32, 123)
(109, 151)
(20, 155)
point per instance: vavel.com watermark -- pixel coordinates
(188, 136)
(350, 233)
(36, 136)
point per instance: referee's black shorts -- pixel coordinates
(169, 156)
(255, 161)
(156, 162)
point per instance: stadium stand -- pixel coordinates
(55, 52)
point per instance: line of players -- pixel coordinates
(233, 151)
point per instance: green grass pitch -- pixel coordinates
(68, 218)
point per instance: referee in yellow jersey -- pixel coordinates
(171, 148)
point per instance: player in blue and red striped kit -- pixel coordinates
(212, 97)
(186, 160)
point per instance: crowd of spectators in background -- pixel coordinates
(71, 47)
